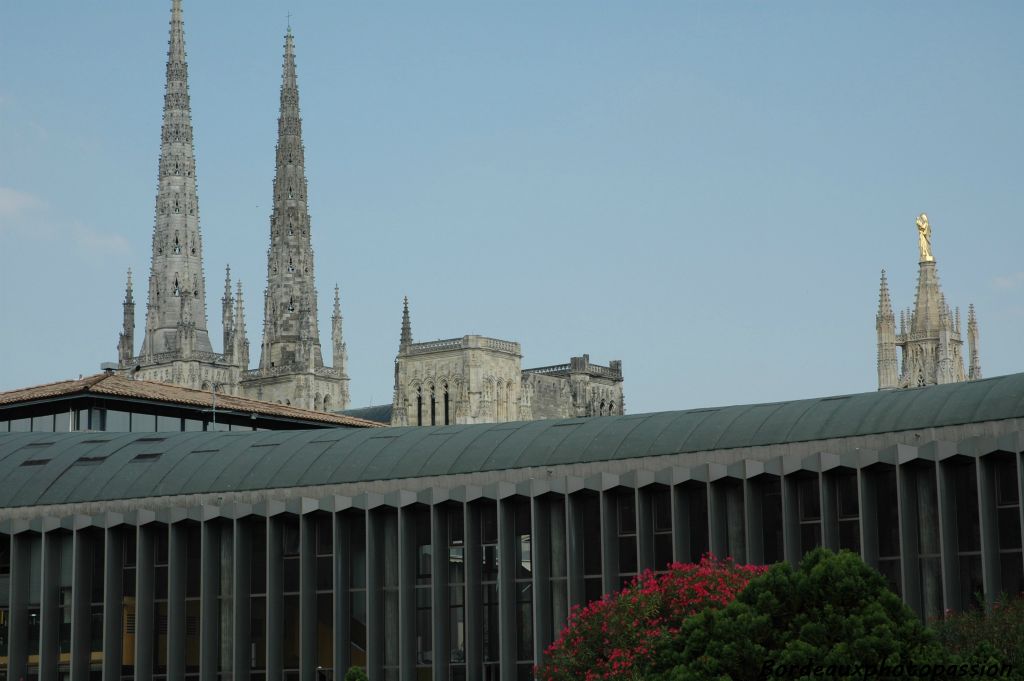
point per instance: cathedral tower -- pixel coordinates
(176, 346)
(292, 369)
(929, 335)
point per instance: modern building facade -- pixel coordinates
(110, 402)
(476, 379)
(929, 337)
(455, 552)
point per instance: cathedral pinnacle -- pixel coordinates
(406, 339)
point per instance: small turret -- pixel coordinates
(227, 305)
(406, 339)
(239, 339)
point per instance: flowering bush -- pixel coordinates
(619, 636)
(997, 635)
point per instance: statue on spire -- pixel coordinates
(924, 238)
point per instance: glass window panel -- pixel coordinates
(971, 582)
(888, 519)
(965, 497)
(589, 514)
(258, 629)
(849, 535)
(42, 424)
(846, 495)
(488, 523)
(324, 633)
(662, 550)
(168, 424)
(21, 425)
(357, 550)
(809, 499)
(324, 534)
(358, 624)
(324, 573)
(810, 536)
(1006, 481)
(64, 422)
(698, 508)
(258, 559)
(193, 425)
(890, 569)
(142, 423)
(115, 421)
(290, 632)
(1012, 568)
(1008, 519)
(627, 555)
(627, 513)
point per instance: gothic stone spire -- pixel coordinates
(339, 356)
(227, 310)
(885, 325)
(972, 343)
(177, 288)
(291, 332)
(406, 339)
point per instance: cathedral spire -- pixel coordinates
(227, 305)
(339, 356)
(126, 342)
(406, 339)
(885, 325)
(239, 339)
(291, 331)
(177, 288)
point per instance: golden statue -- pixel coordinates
(924, 238)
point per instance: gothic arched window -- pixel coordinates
(419, 406)
(446, 409)
(433, 407)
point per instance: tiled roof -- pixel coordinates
(119, 386)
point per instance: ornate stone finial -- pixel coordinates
(337, 301)
(924, 238)
(128, 292)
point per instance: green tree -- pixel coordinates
(356, 674)
(833, 613)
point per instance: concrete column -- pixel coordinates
(829, 511)
(209, 585)
(342, 595)
(439, 589)
(275, 600)
(867, 491)
(81, 603)
(753, 505)
(49, 607)
(307, 597)
(113, 602)
(177, 574)
(948, 536)
(474, 593)
(144, 609)
(990, 567)
(507, 559)
(540, 528)
(241, 599)
(609, 542)
(1019, 460)
(21, 578)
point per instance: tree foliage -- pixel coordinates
(355, 674)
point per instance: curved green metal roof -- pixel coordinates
(51, 468)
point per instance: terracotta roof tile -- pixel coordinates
(112, 384)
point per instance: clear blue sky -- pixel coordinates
(706, 191)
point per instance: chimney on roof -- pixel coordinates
(108, 368)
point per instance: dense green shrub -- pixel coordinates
(832, 615)
(356, 674)
(986, 637)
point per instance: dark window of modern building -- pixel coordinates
(590, 511)
(559, 565)
(142, 423)
(21, 425)
(193, 578)
(257, 528)
(324, 547)
(34, 549)
(160, 584)
(888, 528)
(697, 505)
(5, 595)
(64, 553)
(95, 549)
(424, 556)
(1008, 521)
(771, 518)
(524, 589)
(64, 422)
(661, 523)
(489, 583)
(387, 550)
(168, 424)
(625, 524)
(809, 512)
(456, 592)
(115, 421)
(290, 579)
(356, 521)
(968, 532)
(928, 539)
(844, 483)
(128, 563)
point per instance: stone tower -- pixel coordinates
(176, 347)
(929, 334)
(292, 369)
(126, 342)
